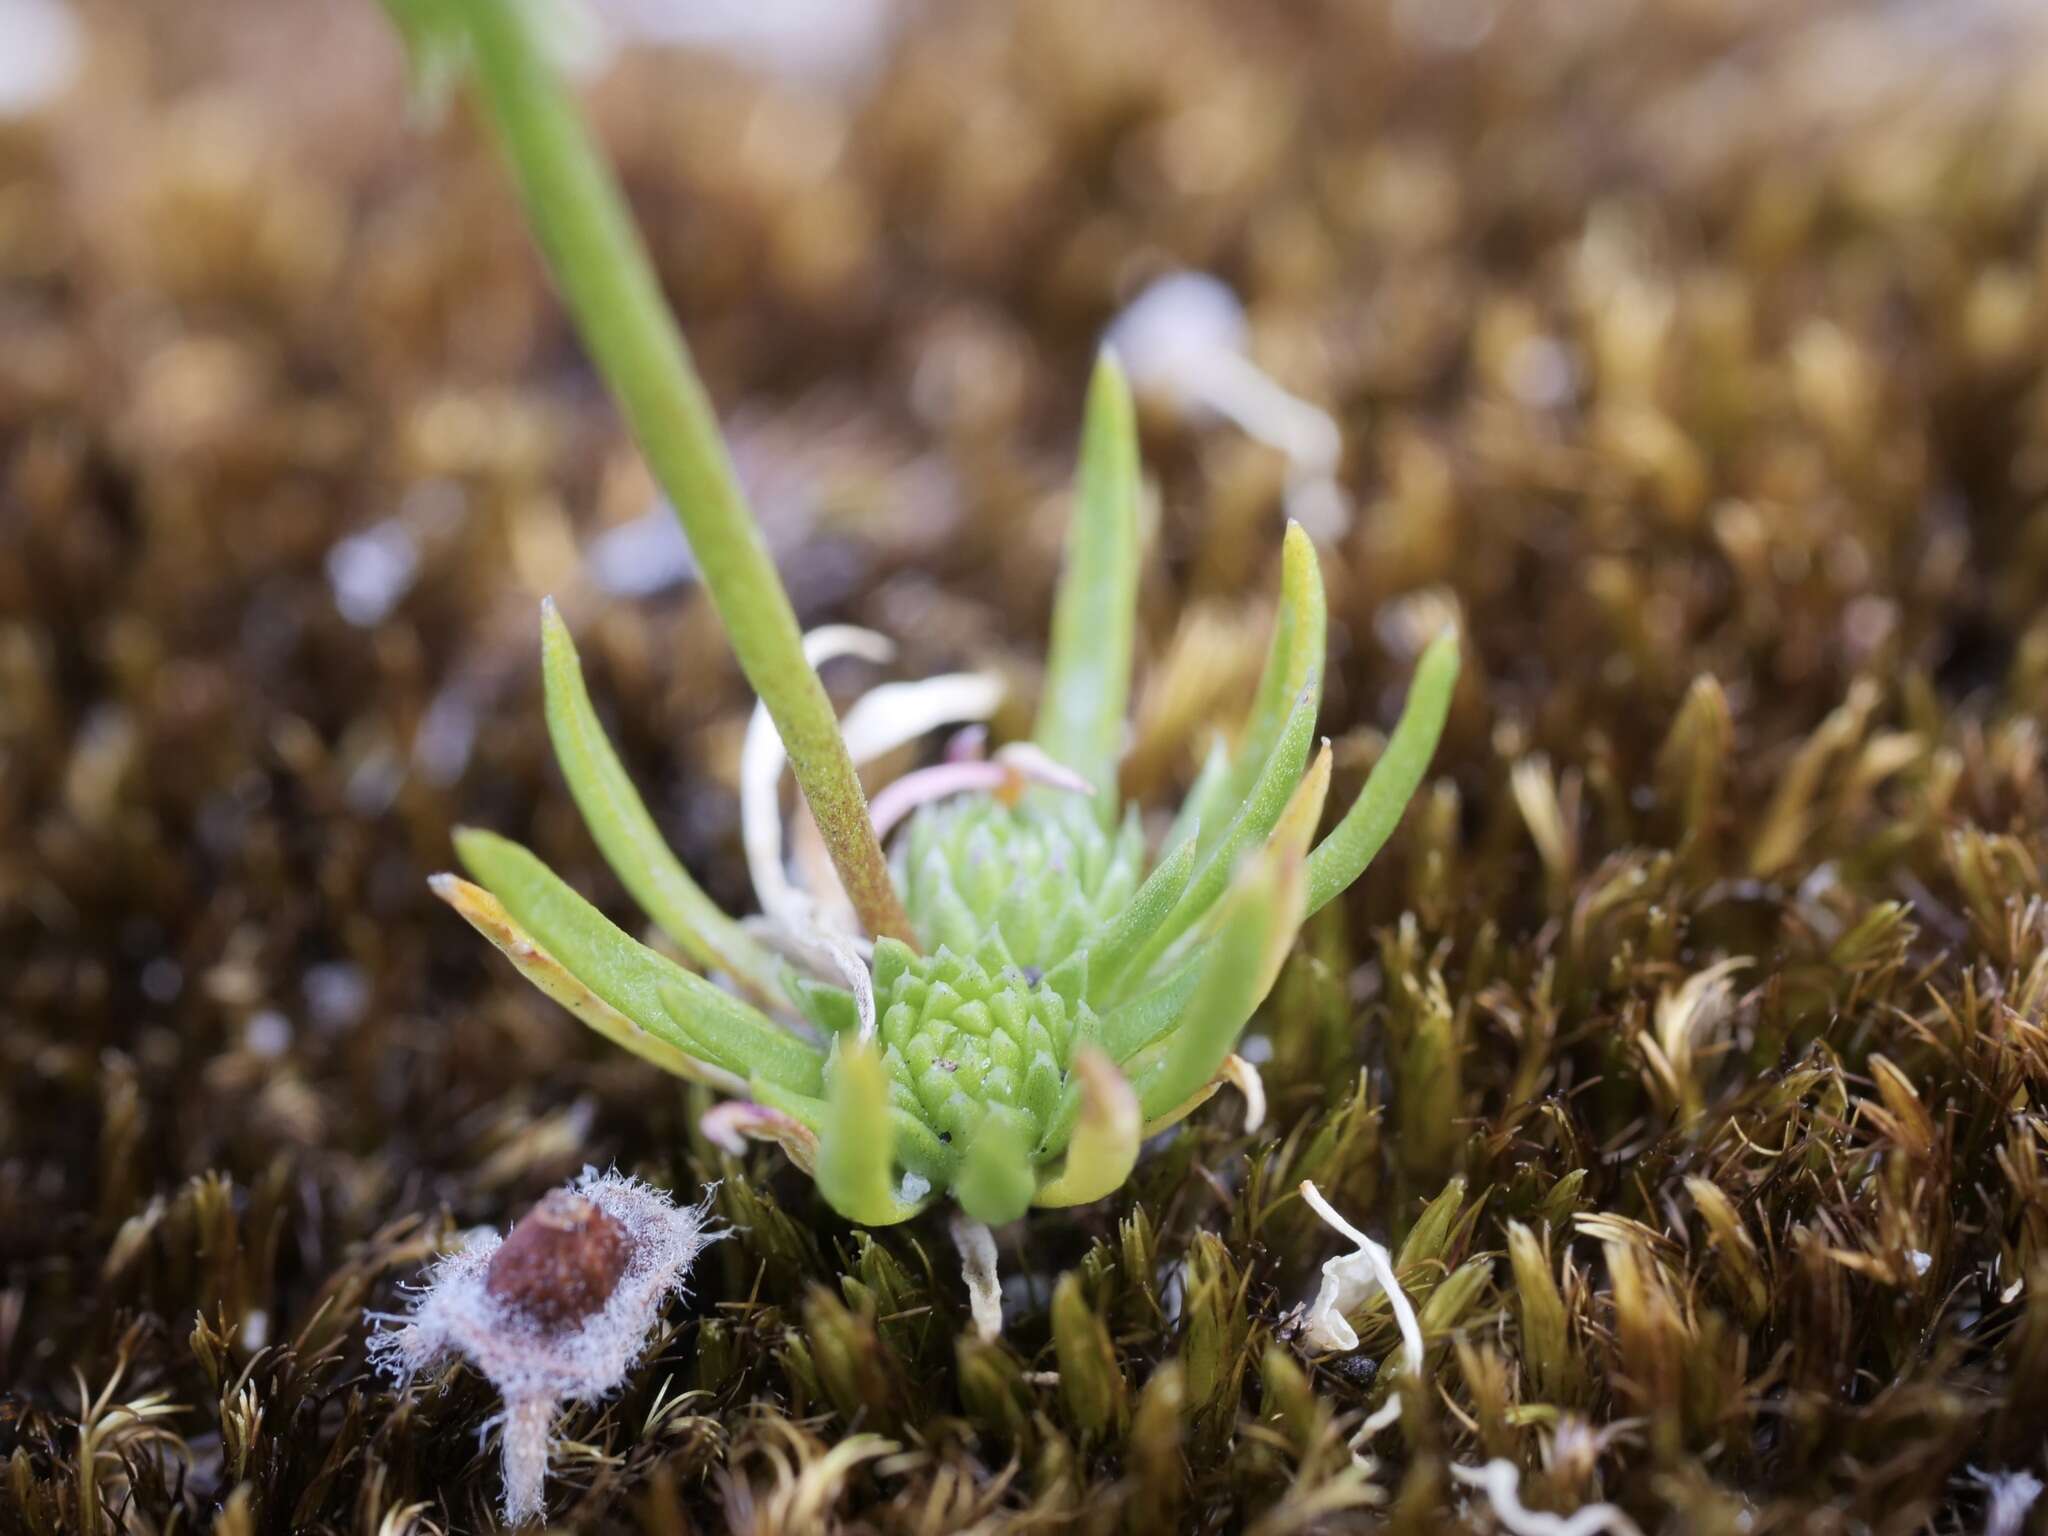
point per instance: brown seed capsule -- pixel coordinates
(558, 1312)
(561, 1262)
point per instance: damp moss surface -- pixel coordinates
(1687, 1043)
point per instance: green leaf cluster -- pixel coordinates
(1069, 991)
(1043, 995)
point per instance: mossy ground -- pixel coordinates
(1694, 354)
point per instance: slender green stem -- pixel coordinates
(581, 220)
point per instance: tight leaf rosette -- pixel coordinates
(1071, 991)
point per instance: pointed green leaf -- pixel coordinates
(1131, 1026)
(1088, 662)
(1207, 803)
(648, 988)
(1342, 856)
(1121, 937)
(995, 1182)
(625, 832)
(1287, 849)
(1296, 828)
(857, 1143)
(1248, 828)
(1259, 919)
(487, 915)
(1107, 1126)
(1293, 660)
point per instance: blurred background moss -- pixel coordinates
(1690, 353)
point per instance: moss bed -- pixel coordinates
(1689, 1042)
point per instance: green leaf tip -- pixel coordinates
(1094, 621)
(436, 49)
(654, 992)
(1109, 1125)
(1294, 661)
(856, 1146)
(1352, 844)
(485, 913)
(625, 832)
(995, 1182)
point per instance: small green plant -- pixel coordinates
(1001, 1016)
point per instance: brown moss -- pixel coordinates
(1700, 377)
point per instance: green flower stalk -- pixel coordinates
(586, 233)
(1042, 988)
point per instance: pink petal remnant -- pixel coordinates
(557, 1312)
(1007, 775)
(969, 744)
(924, 785)
(731, 1123)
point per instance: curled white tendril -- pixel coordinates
(1349, 1281)
(1501, 1481)
(1352, 1279)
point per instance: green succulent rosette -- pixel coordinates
(1072, 988)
